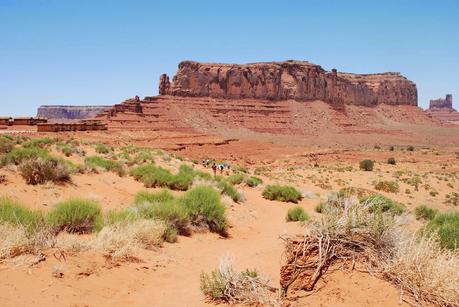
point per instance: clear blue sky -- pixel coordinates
(100, 52)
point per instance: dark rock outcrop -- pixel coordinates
(301, 81)
(66, 113)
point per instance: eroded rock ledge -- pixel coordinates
(298, 80)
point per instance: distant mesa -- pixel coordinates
(442, 109)
(61, 113)
(288, 80)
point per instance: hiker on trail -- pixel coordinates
(221, 167)
(214, 169)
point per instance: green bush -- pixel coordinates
(425, 213)
(366, 165)
(76, 216)
(282, 193)
(102, 149)
(227, 188)
(120, 217)
(153, 176)
(447, 226)
(380, 203)
(173, 213)
(296, 214)
(253, 181)
(236, 179)
(204, 206)
(153, 197)
(40, 171)
(14, 213)
(387, 186)
(17, 155)
(94, 163)
(391, 161)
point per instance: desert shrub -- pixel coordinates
(6, 145)
(102, 149)
(17, 155)
(76, 216)
(236, 178)
(144, 156)
(381, 203)
(391, 148)
(228, 189)
(447, 227)
(153, 176)
(121, 216)
(233, 287)
(425, 213)
(124, 240)
(38, 143)
(204, 207)
(173, 213)
(391, 161)
(95, 163)
(153, 197)
(387, 186)
(253, 181)
(320, 208)
(282, 193)
(39, 171)
(16, 214)
(366, 165)
(410, 148)
(296, 214)
(452, 199)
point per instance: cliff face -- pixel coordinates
(443, 110)
(70, 112)
(301, 81)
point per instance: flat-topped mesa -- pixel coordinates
(442, 103)
(61, 112)
(297, 80)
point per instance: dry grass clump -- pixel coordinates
(421, 268)
(40, 171)
(18, 240)
(124, 240)
(355, 236)
(225, 284)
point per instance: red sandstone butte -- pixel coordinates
(297, 80)
(442, 109)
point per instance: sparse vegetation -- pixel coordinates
(296, 214)
(76, 216)
(253, 181)
(102, 149)
(366, 165)
(388, 186)
(96, 164)
(452, 199)
(410, 148)
(424, 212)
(236, 178)
(282, 193)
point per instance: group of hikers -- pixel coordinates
(216, 166)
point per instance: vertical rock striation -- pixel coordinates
(301, 81)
